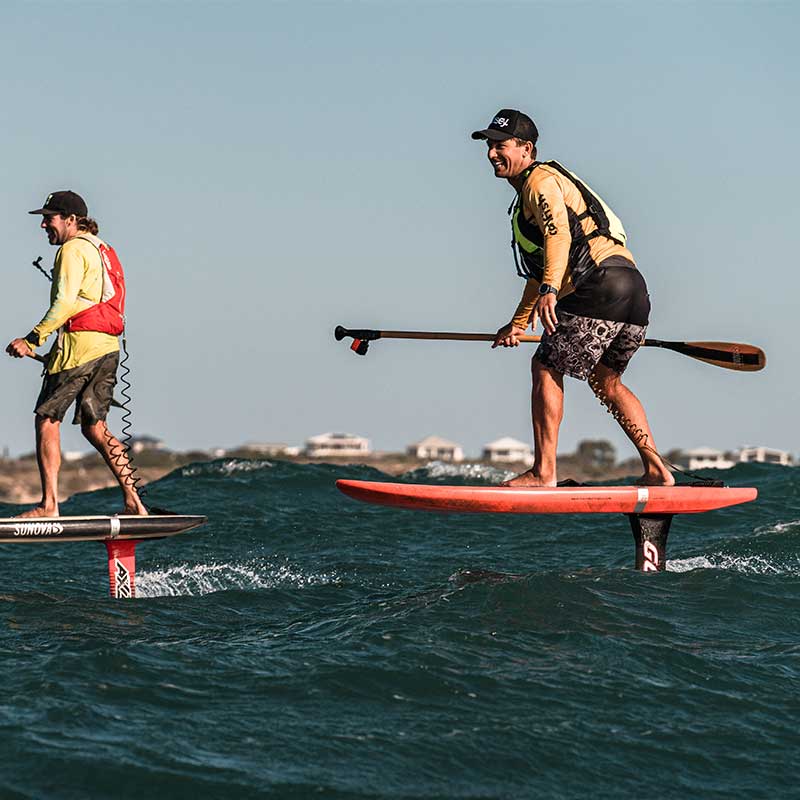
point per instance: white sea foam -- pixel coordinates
(200, 579)
(686, 564)
(445, 469)
(749, 565)
(228, 467)
(793, 526)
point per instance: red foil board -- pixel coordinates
(556, 500)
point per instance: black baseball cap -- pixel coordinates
(509, 124)
(64, 203)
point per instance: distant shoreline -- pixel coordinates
(19, 478)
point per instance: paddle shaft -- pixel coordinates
(490, 337)
(728, 355)
(456, 337)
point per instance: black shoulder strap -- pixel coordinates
(593, 208)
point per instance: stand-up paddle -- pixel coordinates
(728, 355)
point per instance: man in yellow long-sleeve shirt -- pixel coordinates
(582, 283)
(86, 308)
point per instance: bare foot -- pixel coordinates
(134, 511)
(529, 479)
(38, 512)
(660, 478)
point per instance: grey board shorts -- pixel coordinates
(90, 386)
(579, 344)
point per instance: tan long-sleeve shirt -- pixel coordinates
(555, 204)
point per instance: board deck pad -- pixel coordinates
(555, 500)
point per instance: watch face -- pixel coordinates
(544, 289)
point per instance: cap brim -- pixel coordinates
(490, 133)
(44, 211)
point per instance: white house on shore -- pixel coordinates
(707, 458)
(337, 444)
(508, 451)
(139, 444)
(765, 455)
(436, 448)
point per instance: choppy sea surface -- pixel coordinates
(305, 645)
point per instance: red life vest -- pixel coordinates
(107, 316)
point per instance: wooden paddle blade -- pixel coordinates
(728, 355)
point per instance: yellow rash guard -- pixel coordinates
(552, 201)
(77, 284)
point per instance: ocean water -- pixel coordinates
(305, 645)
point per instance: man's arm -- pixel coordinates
(65, 302)
(544, 200)
(526, 309)
(525, 315)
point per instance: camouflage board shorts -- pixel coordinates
(579, 344)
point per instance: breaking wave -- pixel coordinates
(199, 579)
(747, 565)
(437, 470)
(225, 467)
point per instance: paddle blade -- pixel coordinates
(728, 355)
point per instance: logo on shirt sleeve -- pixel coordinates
(548, 223)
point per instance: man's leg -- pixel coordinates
(48, 457)
(116, 456)
(629, 413)
(547, 410)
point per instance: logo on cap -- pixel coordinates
(501, 122)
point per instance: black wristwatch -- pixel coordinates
(546, 288)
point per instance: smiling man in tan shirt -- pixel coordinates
(582, 283)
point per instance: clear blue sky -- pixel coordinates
(268, 170)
